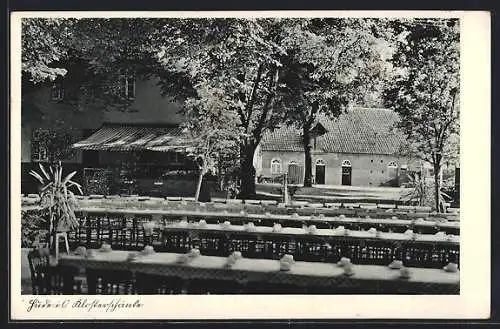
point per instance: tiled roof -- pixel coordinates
(129, 138)
(359, 130)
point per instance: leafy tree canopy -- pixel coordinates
(425, 90)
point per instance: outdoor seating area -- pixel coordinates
(116, 272)
(251, 156)
(381, 210)
(180, 246)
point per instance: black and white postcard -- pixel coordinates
(229, 165)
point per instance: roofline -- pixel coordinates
(369, 108)
(321, 152)
(143, 125)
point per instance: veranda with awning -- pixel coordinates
(135, 138)
(139, 158)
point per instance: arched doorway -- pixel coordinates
(275, 166)
(320, 172)
(294, 173)
(346, 172)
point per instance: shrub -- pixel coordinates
(421, 193)
(34, 228)
(57, 199)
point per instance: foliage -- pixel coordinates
(91, 56)
(236, 61)
(33, 228)
(425, 90)
(56, 142)
(254, 71)
(43, 43)
(328, 61)
(228, 165)
(197, 61)
(421, 193)
(57, 198)
(210, 132)
(417, 190)
(261, 68)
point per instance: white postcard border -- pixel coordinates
(474, 299)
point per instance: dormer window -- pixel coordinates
(57, 91)
(317, 131)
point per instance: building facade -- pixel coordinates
(361, 147)
(53, 122)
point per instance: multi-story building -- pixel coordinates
(97, 141)
(116, 151)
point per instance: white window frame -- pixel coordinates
(392, 164)
(127, 81)
(320, 162)
(275, 162)
(346, 163)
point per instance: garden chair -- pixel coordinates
(47, 278)
(110, 282)
(151, 284)
(213, 287)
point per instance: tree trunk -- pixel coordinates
(285, 190)
(220, 178)
(437, 187)
(247, 174)
(307, 156)
(198, 186)
(306, 139)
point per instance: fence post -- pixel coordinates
(286, 189)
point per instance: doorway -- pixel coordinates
(392, 172)
(346, 172)
(320, 172)
(294, 173)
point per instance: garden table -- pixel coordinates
(234, 216)
(245, 270)
(300, 232)
(321, 245)
(123, 229)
